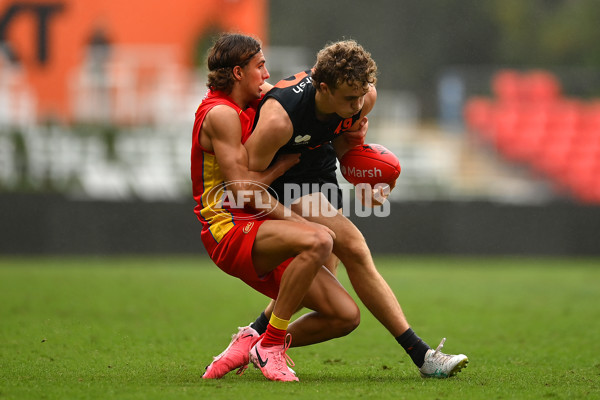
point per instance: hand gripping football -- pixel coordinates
(370, 163)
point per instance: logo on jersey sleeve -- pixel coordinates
(295, 80)
(302, 139)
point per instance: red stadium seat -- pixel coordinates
(552, 159)
(528, 140)
(478, 113)
(530, 122)
(590, 119)
(503, 122)
(540, 87)
(507, 85)
(566, 115)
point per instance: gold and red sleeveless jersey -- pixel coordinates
(208, 183)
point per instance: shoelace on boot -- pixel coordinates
(440, 346)
(283, 357)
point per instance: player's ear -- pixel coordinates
(323, 87)
(238, 72)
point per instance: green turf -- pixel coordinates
(144, 328)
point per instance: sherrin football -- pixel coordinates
(370, 163)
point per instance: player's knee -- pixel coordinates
(320, 244)
(356, 249)
(349, 320)
(351, 244)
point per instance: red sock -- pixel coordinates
(273, 337)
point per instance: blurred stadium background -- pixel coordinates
(492, 106)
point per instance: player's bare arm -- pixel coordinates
(221, 133)
(265, 87)
(272, 131)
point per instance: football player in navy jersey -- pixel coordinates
(321, 113)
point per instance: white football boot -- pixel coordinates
(440, 365)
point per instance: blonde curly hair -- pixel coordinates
(344, 61)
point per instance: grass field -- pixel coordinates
(144, 328)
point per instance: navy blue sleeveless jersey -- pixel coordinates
(311, 138)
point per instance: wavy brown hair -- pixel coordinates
(228, 51)
(344, 61)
